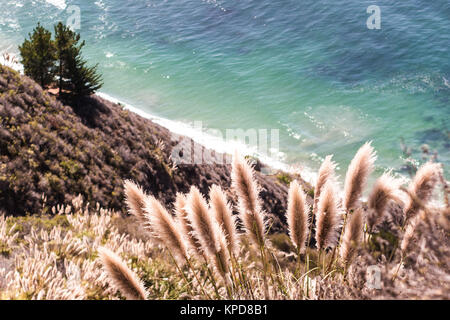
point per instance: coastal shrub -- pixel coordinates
(284, 178)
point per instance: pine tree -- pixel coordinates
(73, 74)
(39, 56)
(66, 45)
(84, 80)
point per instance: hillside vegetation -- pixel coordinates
(51, 152)
(69, 175)
(198, 253)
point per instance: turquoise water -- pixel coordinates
(311, 69)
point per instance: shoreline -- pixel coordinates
(218, 144)
(212, 142)
(95, 145)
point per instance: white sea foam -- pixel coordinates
(60, 4)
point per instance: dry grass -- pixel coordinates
(224, 216)
(121, 276)
(55, 260)
(297, 216)
(357, 174)
(385, 190)
(326, 172)
(352, 237)
(247, 190)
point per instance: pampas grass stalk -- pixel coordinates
(357, 174)
(327, 217)
(352, 237)
(224, 216)
(297, 216)
(250, 210)
(208, 232)
(326, 172)
(422, 188)
(121, 277)
(385, 189)
(135, 200)
(408, 235)
(356, 178)
(247, 190)
(186, 229)
(185, 225)
(165, 228)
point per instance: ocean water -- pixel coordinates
(310, 69)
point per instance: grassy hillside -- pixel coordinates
(51, 152)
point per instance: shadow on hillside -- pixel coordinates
(89, 109)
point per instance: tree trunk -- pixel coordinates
(60, 77)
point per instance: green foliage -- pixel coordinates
(47, 222)
(284, 178)
(5, 251)
(84, 80)
(44, 59)
(71, 168)
(383, 242)
(66, 46)
(39, 56)
(281, 242)
(73, 74)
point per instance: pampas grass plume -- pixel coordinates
(327, 217)
(422, 187)
(326, 171)
(121, 277)
(208, 231)
(385, 189)
(352, 236)
(297, 215)
(135, 199)
(247, 190)
(185, 225)
(224, 216)
(357, 174)
(165, 229)
(202, 221)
